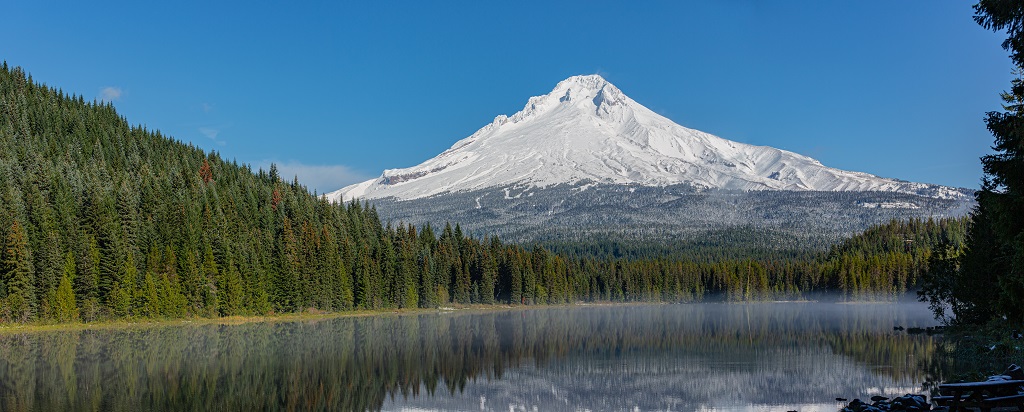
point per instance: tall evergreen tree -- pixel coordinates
(208, 286)
(17, 273)
(64, 307)
(990, 282)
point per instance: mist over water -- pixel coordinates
(758, 356)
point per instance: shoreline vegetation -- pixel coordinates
(315, 315)
(16, 328)
(979, 351)
(309, 315)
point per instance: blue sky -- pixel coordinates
(338, 91)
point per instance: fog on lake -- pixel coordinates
(756, 356)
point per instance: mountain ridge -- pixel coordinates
(588, 131)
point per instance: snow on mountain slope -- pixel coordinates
(587, 130)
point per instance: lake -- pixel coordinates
(743, 357)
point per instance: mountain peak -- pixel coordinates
(586, 93)
(586, 81)
(591, 86)
(587, 130)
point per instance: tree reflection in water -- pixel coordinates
(597, 357)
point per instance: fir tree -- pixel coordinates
(17, 273)
(64, 307)
(990, 282)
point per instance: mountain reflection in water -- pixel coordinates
(647, 357)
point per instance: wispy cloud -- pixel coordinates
(110, 93)
(211, 134)
(207, 108)
(322, 178)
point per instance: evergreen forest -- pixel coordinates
(103, 220)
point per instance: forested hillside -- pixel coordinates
(103, 220)
(755, 222)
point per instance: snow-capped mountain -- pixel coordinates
(587, 131)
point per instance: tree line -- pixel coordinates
(103, 220)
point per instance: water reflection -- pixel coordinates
(662, 357)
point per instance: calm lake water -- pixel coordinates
(746, 357)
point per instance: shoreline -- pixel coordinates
(305, 316)
(9, 329)
(308, 315)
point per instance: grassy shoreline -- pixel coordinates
(305, 316)
(16, 328)
(979, 351)
(309, 315)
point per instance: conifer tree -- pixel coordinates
(208, 283)
(205, 172)
(993, 262)
(64, 307)
(151, 304)
(122, 297)
(17, 273)
(231, 291)
(87, 272)
(488, 277)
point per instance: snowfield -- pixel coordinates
(586, 131)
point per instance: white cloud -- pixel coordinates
(207, 107)
(211, 134)
(110, 93)
(322, 178)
